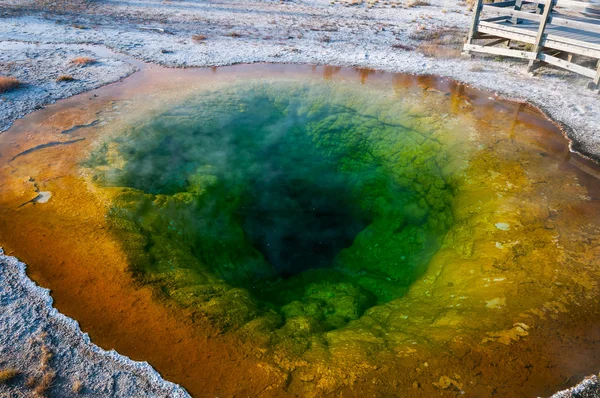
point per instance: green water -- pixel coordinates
(289, 207)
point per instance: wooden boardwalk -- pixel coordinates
(563, 33)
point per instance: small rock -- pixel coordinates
(503, 226)
(496, 303)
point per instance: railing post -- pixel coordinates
(518, 6)
(473, 29)
(537, 47)
(539, 9)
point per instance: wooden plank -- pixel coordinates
(591, 14)
(577, 5)
(597, 78)
(503, 3)
(555, 41)
(572, 4)
(512, 13)
(525, 38)
(507, 29)
(572, 42)
(500, 51)
(494, 19)
(484, 36)
(567, 65)
(569, 23)
(561, 45)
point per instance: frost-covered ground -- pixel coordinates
(39, 66)
(52, 357)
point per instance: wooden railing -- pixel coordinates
(500, 21)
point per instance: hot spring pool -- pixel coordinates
(290, 230)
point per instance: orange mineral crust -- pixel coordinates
(504, 302)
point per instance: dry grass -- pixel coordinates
(348, 3)
(31, 382)
(403, 47)
(65, 78)
(440, 43)
(8, 83)
(7, 375)
(8, 66)
(198, 38)
(438, 51)
(83, 61)
(45, 358)
(77, 386)
(417, 3)
(234, 34)
(471, 3)
(41, 390)
(63, 6)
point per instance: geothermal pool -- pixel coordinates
(303, 231)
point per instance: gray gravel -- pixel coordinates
(38, 341)
(38, 67)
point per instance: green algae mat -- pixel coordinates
(406, 234)
(293, 206)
